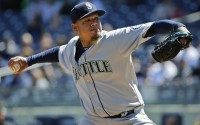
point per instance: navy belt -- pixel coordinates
(123, 114)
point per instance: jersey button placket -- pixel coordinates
(95, 99)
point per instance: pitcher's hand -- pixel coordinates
(17, 64)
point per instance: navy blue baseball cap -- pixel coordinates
(84, 9)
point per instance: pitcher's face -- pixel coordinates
(88, 28)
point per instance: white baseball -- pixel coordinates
(16, 67)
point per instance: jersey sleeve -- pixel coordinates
(65, 54)
(63, 57)
(129, 38)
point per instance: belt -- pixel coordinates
(123, 114)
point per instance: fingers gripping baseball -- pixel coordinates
(16, 67)
(17, 64)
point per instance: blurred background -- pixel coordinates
(47, 96)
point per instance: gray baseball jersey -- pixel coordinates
(104, 74)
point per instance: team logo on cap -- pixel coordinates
(88, 5)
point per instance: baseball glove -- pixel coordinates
(171, 46)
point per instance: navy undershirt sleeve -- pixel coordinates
(162, 27)
(50, 55)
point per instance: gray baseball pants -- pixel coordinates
(137, 118)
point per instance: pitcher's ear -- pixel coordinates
(74, 27)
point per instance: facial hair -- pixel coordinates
(94, 39)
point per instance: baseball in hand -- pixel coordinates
(16, 67)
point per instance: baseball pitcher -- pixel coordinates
(102, 66)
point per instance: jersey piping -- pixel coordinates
(97, 91)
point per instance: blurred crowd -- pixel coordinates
(31, 26)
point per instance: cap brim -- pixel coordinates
(99, 12)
